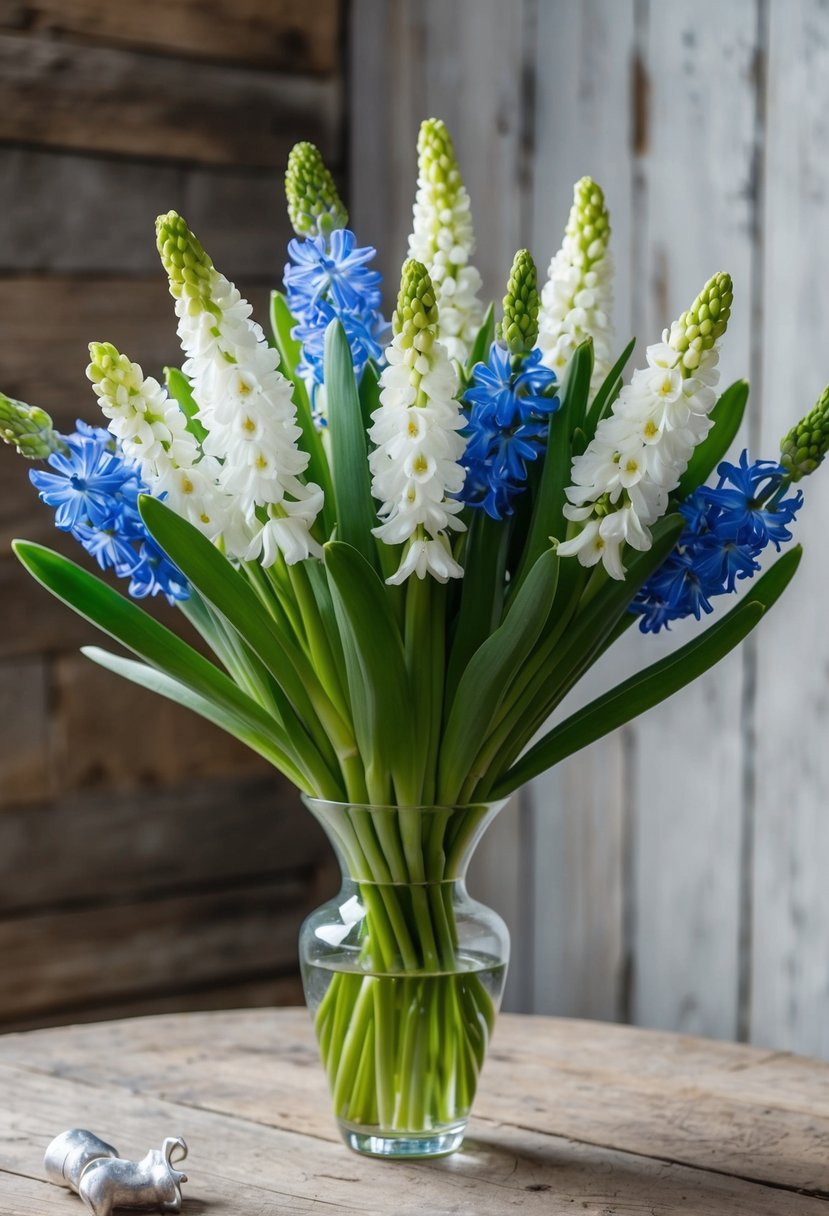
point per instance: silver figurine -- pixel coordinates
(86, 1164)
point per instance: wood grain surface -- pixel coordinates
(285, 34)
(571, 1117)
(106, 100)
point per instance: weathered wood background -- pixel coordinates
(146, 860)
(673, 875)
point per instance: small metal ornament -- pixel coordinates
(88, 1165)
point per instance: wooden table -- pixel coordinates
(571, 1117)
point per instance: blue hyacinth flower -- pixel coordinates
(508, 406)
(326, 279)
(727, 528)
(94, 492)
(331, 268)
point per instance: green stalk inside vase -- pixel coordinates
(407, 999)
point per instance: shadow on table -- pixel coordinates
(547, 1166)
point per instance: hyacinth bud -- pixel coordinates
(519, 328)
(28, 429)
(589, 222)
(705, 321)
(314, 206)
(109, 368)
(807, 443)
(416, 316)
(189, 268)
(436, 159)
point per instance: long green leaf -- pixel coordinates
(547, 518)
(128, 624)
(563, 655)
(174, 690)
(290, 353)
(306, 706)
(178, 387)
(356, 515)
(607, 392)
(483, 340)
(656, 683)
(369, 393)
(482, 592)
(487, 678)
(378, 684)
(727, 415)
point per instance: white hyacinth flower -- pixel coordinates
(415, 463)
(622, 482)
(577, 299)
(443, 240)
(246, 406)
(152, 431)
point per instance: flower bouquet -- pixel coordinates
(404, 545)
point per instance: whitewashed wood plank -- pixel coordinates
(583, 125)
(461, 62)
(694, 216)
(790, 992)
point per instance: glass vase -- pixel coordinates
(403, 975)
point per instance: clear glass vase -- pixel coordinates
(403, 975)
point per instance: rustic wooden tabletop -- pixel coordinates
(571, 1117)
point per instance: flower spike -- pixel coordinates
(622, 481)
(696, 331)
(520, 326)
(152, 431)
(314, 206)
(28, 428)
(415, 463)
(246, 406)
(442, 238)
(188, 267)
(577, 299)
(806, 444)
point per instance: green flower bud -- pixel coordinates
(807, 443)
(416, 315)
(436, 159)
(705, 321)
(314, 205)
(519, 328)
(28, 429)
(588, 225)
(189, 268)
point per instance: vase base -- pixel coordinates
(403, 1145)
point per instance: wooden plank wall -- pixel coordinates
(146, 861)
(674, 874)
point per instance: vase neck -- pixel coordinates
(403, 845)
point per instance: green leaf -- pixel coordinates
(290, 353)
(356, 515)
(484, 338)
(576, 387)
(369, 393)
(607, 392)
(306, 707)
(727, 415)
(658, 682)
(378, 684)
(482, 592)
(487, 678)
(597, 615)
(547, 518)
(128, 624)
(178, 386)
(174, 690)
